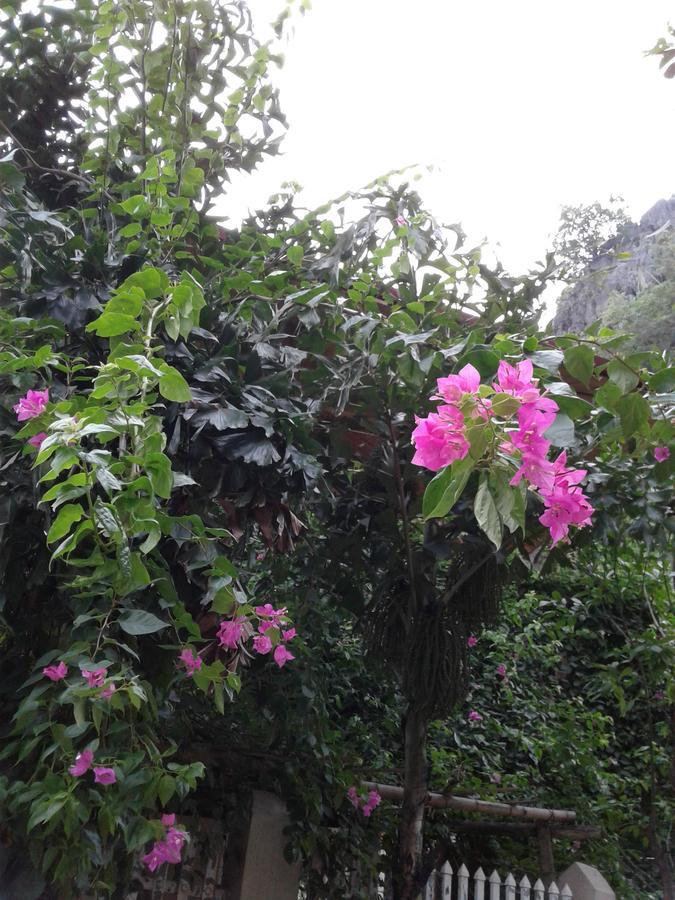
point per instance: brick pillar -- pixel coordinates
(267, 875)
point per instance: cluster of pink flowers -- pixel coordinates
(475, 716)
(83, 762)
(366, 805)
(57, 672)
(441, 439)
(93, 677)
(168, 850)
(233, 632)
(30, 406)
(191, 661)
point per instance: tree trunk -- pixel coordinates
(412, 812)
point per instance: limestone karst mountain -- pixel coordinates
(630, 285)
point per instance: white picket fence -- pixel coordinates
(446, 885)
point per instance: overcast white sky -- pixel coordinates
(521, 105)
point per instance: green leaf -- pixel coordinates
(579, 362)
(561, 432)
(504, 405)
(634, 414)
(486, 512)
(547, 359)
(68, 515)
(107, 480)
(167, 788)
(444, 490)
(478, 439)
(295, 255)
(46, 811)
(223, 601)
(172, 386)
(222, 566)
(568, 401)
(608, 396)
(153, 282)
(107, 520)
(219, 696)
(664, 381)
(622, 375)
(158, 467)
(137, 621)
(130, 230)
(486, 361)
(113, 324)
(510, 501)
(126, 303)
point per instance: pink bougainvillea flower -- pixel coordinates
(536, 469)
(173, 845)
(453, 387)
(282, 655)
(565, 506)
(275, 615)
(108, 691)
(373, 800)
(168, 850)
(661, 454)
(353, 797)
(475, 716)
(37, 439)
(541, 413)
(401, 220)
(191, 661)
(440, 439)
(55, 673)
(471, 641)
(501, 670)
(230, 631)
(94, 677)
(82, 764)
(32, 405)
(289, 634)
(265, 626)
(516, 380)
(266, 610)
(152, 860)
(262, 644)
(104, 775)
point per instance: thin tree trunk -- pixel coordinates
(412, 813)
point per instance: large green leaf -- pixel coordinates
(634, 414)
(138, 621)
(68, 515)
(444, 490)
(579, 362)
(158, 467)
(561, 432)
(172, 386)
(486, 512)
(112, 324)
(153, 282)
(622, 375)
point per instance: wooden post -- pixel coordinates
(546, 863)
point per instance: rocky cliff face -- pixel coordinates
(628, 267)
